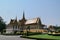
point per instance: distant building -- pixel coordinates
(24, 24)
(54, 28)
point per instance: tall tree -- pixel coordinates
(2, 25)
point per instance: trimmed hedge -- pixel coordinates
(30, 33)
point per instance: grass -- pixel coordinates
(45, 36)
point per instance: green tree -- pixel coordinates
(2, 25)
(28, 28)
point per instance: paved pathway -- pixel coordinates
(3, 37)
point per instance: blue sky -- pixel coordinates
(47, 10)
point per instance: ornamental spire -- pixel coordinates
(23, 15)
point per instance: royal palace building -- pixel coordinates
(23, 24)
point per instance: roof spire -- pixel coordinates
(23, 15)
(16, 18)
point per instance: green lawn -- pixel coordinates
(46, 36)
